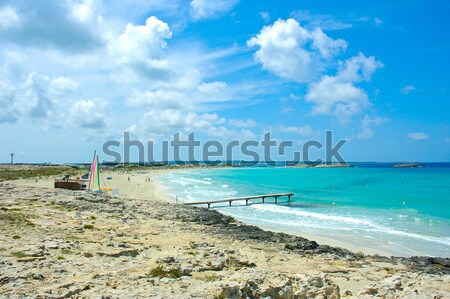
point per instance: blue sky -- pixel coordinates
(74, 74)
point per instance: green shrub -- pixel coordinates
(159, 271)
(19, 254)
(66, 251)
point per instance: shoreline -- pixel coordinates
(61, 243)
(352, 243)
(154, 189)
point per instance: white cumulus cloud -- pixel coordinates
(54, 25)
(88, 114)
(338, 95)
(242, 123)
(265, 16)
(9, 18)
(299, 130)
(204, 9)
(141, 42)
(407, 89)
(418, 136)
(292, 52)
(367, 123)
(8, 109)
(170, 120)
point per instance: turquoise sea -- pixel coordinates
(398, 211)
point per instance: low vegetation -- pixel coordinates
(14, 217)
(18, 254)
(160, 272)
(210, 278)
(7, 173)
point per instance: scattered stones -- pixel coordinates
(51, 245)
(198, 244)
(38, 276)
(128, 252)
(223, 258)
(30, 259)
(166, 260)
(230, 292)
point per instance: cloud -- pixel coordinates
(157, 123)
(38, 101)
(378, 21)
(51, 102)
(417, 136)
(242, 123)
(367, 123)
(8, 110)
(334, 97)
(9, 18)
(358, 68)
(287, 110)
(150, 87)
(407, 89)
(142, 42)
(205, 9)
(326, 22)
(41, 95)
(337, 95)
(292, 52)
(302, 131)
(159, 99)
(170, 120)
(326, 45)
(370, 20)
(265, 16)
(53, 24)
(88, 114)
(63, 85)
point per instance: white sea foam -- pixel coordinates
(349, 220)
(287, 210)
(195, 181)
(297, 225)
(445, 241)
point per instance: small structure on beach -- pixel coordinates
(70, 184)
(92, 177)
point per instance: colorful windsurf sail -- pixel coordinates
(94, 182)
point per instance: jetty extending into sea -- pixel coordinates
(246, 198)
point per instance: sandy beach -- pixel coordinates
(145, 186)
(61, 244)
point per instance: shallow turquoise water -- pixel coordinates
(401, 211)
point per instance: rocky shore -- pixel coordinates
(75, 244)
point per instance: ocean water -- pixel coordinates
(398, 211)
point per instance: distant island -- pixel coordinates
(408, 165)
(324, 165)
